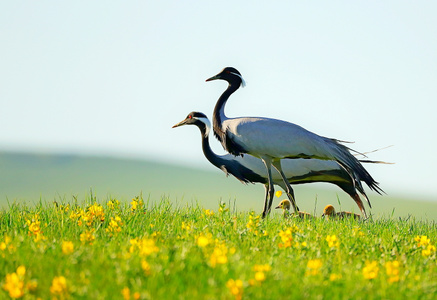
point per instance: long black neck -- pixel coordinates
(213, 158)
(219, 111)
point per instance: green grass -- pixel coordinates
(166, 251)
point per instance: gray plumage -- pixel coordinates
(273, 140)
(248, 168)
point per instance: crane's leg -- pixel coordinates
(289, 190)
(270, 190)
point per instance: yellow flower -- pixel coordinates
(136, 204)
(219, 255)
(14, 283)
(146, 267)
(278, 194)
(286, 238)
(67, 247)
(392, 270)
(422, 241)
(254, 223)
(113, 204)
(332, 241)
(430, 249)
(208, 212)
(235, 287)
(222, 208)
(87, 236)
(370, 271)
(203, 241)
(313, 267)
(334, 277)
(126, 293)
(144, 246)
(59, 286)
(114, 226)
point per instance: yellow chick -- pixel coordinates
(286, 205)
(329, 211)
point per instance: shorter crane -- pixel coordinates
(248, 168)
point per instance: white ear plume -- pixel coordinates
(207, 125)
(243, 82)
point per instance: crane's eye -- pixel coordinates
(228, 72)
(189, 117)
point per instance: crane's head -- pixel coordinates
(231, 75)
(328, 211)
(284, 204)
(196, 118)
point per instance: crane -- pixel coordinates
(249, 169)
(274, 140)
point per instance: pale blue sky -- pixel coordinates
(113, 77)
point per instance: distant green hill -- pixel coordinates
(30, 177)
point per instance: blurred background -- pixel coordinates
(89, 92)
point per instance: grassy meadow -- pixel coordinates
(95, 249)
(75, 227)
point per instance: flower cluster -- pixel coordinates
(136, 204)
(287, 237)
(14, 284)
(424, 243)
(371, 270)
(236, 288)
(260, 274)
(114, 226)
(59, 287)
(253, 224)
(313, 267)
(34, 226)
(144, 247)
(392, 271)
(333, 241)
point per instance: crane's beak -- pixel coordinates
(215, 77)
(184, 122)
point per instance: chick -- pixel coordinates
(329, 211)
(286, 205)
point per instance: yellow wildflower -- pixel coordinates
(332, 241)
(422, 241)
(313, 267)
(334, 277)
(113, 204)
(278, 194)
(144, 246)
(235, 287)
(286, 238)
(14, 283)
(208, 212)
(219, 255)
(223, 208)
(145, 266)
(370, 271)
(392, 270)
(136, 203)
(67, 247)
(114, 226)
(430, 249)
(126, 293)
(260, 271)
(59, 286)
(203, 241)
(254, 223)
(87, 236)
(34, 226)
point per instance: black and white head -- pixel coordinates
(196, 118)
(231, 75)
